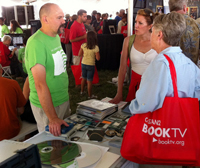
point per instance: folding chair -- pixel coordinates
(6, 69)
(6, 72)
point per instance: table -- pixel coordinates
(120, 163)
(110, 47)
(45, 137)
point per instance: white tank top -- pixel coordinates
(140, 61)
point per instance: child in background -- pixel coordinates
(89, 51)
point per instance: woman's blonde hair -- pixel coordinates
(172, 26)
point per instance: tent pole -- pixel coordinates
(130, 17)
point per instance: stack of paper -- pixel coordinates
(96, 109)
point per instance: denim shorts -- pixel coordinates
(88, 72)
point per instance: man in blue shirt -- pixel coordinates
(119, 16)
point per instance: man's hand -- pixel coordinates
(14, 49)
(55, 126)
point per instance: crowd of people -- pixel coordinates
(155, 35)
(10, 58)
(93, 22)
(15, 27)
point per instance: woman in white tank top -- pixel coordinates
(138, 46)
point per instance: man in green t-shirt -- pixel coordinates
(45, 63)
(4, 28)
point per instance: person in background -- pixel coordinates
(12, 106)
(189, 42)
(119, 16)
(96, 24)
(88, 26)
(21, 58)
(104, 17)
(45, 63)
(94, 12)
(4, 28)
(15, 27)
(138, 49)
(67, 19)
(78, 35)
(156, 83)
(107, 15)
(127, 11)
(28, 113)
(89, 51)
(68, 46)
(117, 13)
(11, 58)
(121, 23)
(6, 40)
(110, 17)
(73, 18)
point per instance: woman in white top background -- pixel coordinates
(141, 54)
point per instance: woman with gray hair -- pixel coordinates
(10, 57)
(166, 34)
(6, 40)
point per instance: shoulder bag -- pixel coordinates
(168, 136)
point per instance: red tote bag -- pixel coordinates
(77, 72)
(167, 136)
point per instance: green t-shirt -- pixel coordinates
(47, 51)
(4, 30)
(18, 31)
(21, 57)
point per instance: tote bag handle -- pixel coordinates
(173, 75)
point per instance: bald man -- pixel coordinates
(46, 67)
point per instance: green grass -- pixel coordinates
(105, 89)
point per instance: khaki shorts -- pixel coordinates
(62, 111)
(76, 60)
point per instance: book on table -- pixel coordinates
(96, 109)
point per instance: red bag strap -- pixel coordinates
(67, 25)
(173, 75)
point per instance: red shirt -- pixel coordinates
(11, 98)
(77, 30)
(124, 31)
(6, 54)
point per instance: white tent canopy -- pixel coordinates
(71, 7)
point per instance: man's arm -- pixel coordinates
(80, 52)
(39, 75)
(79, 38)
(26, 89)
